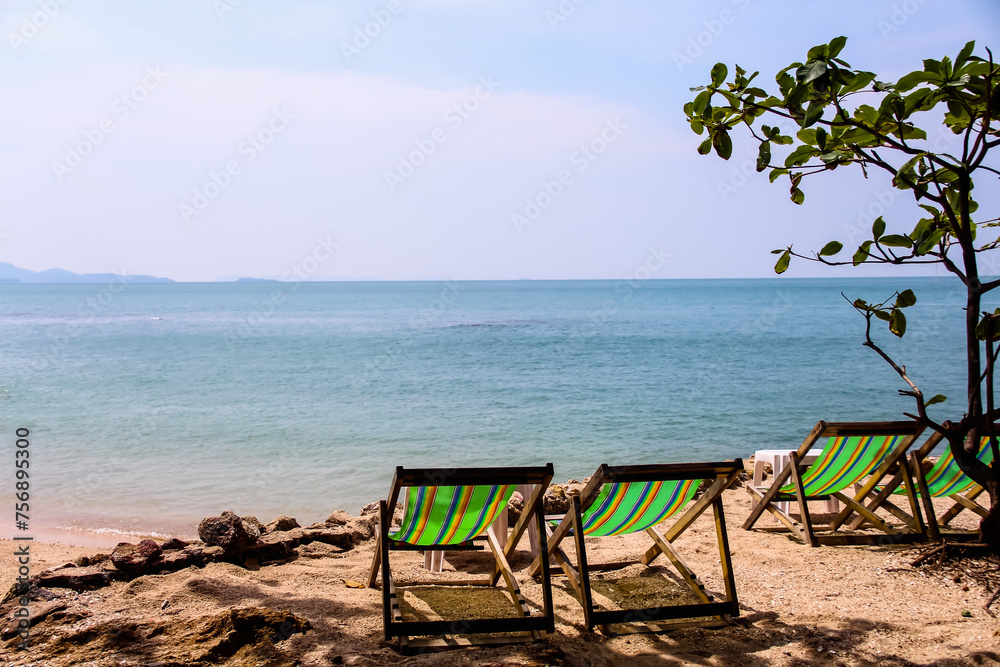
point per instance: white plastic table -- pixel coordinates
(779, 459)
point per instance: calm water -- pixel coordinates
(151, 406)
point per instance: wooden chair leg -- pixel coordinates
(376, 562)
(581, 559)
(801, 494)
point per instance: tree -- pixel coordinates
(846, 118)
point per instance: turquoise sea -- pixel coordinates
(153, 405)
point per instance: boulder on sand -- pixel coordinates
(136, 559)
(227, 531)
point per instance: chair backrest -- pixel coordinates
(846, 459)
(450, 514)
(628, 507)
(453, 505)
(946, 478)
(627, 499)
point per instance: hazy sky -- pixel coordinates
(412, 139)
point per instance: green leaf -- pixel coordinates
(701, 101)
(799, 156)
(906, 299)
(883, 315)
(777, 173)
(782, 265)
(878, 228)
(764, 155)
(896, 241)
(831, 248)
(821, 138)
(798, 196)
(964, 54)
(937, 398)
(810, 71)
(862, 254)
(898, 323)
(706, 147)
(813, 113)
(723, 144)
(914, 79)
(837, 45)
(719, 74)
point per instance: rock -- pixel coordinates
(514, 508)
(237, 629)
(556, 500)
(213, 553)
(372, 508)
(317, 550)
(37, 613)
(136, 559)
(338, 518)
(252, 521)
(173, 543)
(74, 578)
(85, 561)
(364, 527)
(281, 523)
(227, 531)
(342, 537)
(275, 546)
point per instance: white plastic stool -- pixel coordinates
(779, 458)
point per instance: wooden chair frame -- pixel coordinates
(442, 630)
(934, 524)
(641, 620)
(806, 531)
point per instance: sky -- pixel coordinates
(207, 140)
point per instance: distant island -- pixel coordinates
(256, 280)
(13, 274)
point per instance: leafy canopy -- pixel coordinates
(844, 116)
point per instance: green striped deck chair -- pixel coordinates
(855, 455)
(629, 499)
(447, 509)
(943, 480)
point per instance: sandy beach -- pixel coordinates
(844, 605)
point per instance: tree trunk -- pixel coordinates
(989, 527)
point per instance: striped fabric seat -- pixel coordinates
(633, 506)
(438, 515)
(845, 461)
(946, 478)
